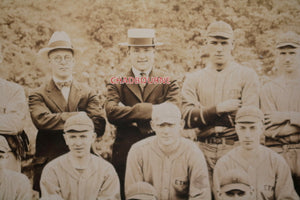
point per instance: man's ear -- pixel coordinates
(94, 136)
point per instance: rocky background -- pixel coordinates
(97, 26)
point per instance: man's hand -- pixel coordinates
(228, 106)
(275, 118)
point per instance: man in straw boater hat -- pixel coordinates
(280, 103)
(78, 174)
(175, 166)
(58, 99)
(211, 96)
(268, 172)
(129, 105)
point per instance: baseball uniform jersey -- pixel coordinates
(181, 175)
(98, 181)
(269, 174)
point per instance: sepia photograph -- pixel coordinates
(149, 99)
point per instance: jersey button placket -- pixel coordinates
(166, 178)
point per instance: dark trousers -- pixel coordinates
(125, 138)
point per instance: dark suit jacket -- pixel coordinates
(46, 106)
(133, 119)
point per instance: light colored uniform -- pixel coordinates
(282, 95)
(13, 110)
(206, 88)
(181, 175)
(14, 185)
(269, 175)
(98, 181)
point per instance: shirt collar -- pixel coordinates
(137, 73)
(56, 80)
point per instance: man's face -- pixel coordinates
(288, 59)
(219, 50)
(62, 63)
(142, 58)
(236, 195)
(79, 143)
(167, 133)
(249, 134)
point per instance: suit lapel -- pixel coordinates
(74, 96)
(135, 88)
(149, 87)
(55, 95)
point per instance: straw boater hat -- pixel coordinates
(58, 40)
(140, 37)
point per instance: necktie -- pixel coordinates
(143, 83)
(62, 84)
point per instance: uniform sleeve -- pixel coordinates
(110, 189)
(24, 191)
(134, 172)
(251, 89)
(199, 179)
(195, 114)
(284, 188)
(12, 115)
(42, 117)
(268, 105)
(119, 114)
(49, 183)
(96, 113)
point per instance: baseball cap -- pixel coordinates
(219, 28)
(141, 190)
(235, 179)
(289, 38)
(248, 114)
(166, 113)
(79, 123)
(4, 147)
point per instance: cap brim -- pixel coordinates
(287, 44)
(78, 128)
(220, 34)
(167, 121)
(248, 119)
(235, 186)
(134, 45)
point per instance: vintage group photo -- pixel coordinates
(150, 100)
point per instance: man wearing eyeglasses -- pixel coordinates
(58, 99)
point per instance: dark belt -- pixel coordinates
(218, 140)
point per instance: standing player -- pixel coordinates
(174, 165)
(280, 103)
(13, 110)
(268, 172)
(129, 106)
(212, 95)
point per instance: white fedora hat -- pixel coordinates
(58, 40)
(141, 37)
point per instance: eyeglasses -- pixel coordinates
(59, 59)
